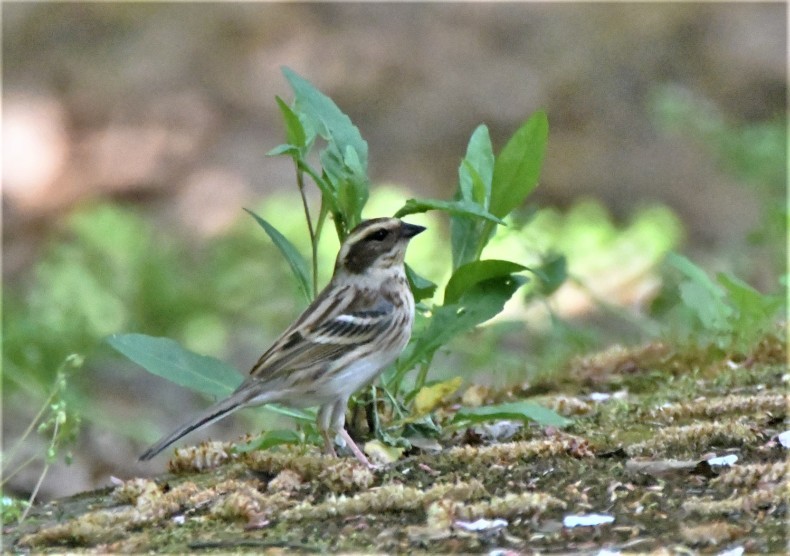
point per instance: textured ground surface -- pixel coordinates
(638, 456)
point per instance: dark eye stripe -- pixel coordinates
(378, 235)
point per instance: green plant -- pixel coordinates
(606, 268)
(726, 313)
(490, 187)
(56, 418)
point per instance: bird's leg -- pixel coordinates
(331, 421)
(324, 421)
(329, 443)
(360, 455)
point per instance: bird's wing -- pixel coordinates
(330, 327)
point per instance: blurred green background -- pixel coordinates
(133, 135)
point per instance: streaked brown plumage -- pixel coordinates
(351, 332)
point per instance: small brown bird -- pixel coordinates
(349, 334)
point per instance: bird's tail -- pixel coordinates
(212, 414)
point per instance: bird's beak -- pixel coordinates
(410, 230)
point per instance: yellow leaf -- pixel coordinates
(381, 453)
(430, 396)
(475, 395)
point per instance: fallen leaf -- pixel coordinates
(431, 396)
(382, 453)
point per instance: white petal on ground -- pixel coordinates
(481, 524)
(587, 520)
(724, 461)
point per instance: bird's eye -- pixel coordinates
(378, 235)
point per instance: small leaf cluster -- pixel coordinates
(57, 420)
(726, 313)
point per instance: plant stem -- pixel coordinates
(482, 239)
(44, 472)
(313, 238)
(8, 476)
(32, 424)
(395, 405)
(422, 375)
(373, 415)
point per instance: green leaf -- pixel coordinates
(475, 174)
(345, 158)
(327, 119)
(482, 302)
(522, 410)
(463, 208)
(328, 196)
(351, 184)
(305, 415)
(166, 358)
(421, 288)
(552, 273)
(754, 312)
(701, 294)
(271, 439)
(294, 130)
(290, 150)
(517, 167)
(477, 168)
(709, 308)
(745, 299)
(470, 274)
(295, 260)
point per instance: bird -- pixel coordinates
(353, 330)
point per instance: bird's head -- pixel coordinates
(377, 244)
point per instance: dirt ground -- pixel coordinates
(646, 423)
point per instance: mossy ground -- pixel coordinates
(636, 457)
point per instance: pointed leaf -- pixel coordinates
(304, 415)
(754, 312)
(270, 439)
(551, 274)
(751, 305)
(522, 410)
(470, 274)
(469, 235)
(482, 302)
(279, 150)
(292, 256)
(166, 358)
(421, 288)
(294, 130)
(464, 208)
(477, 168)
(328, 120)
(344, 183)
(474, 184)
(517, 167)
(701, 294)
(351, 184)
